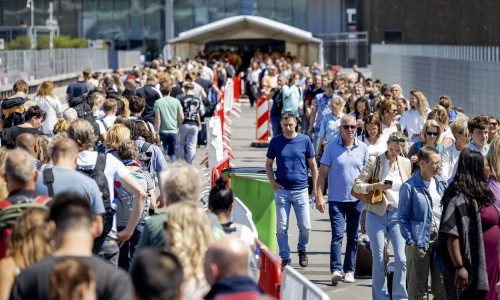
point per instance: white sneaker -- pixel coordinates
(336, 277)
(349, 277)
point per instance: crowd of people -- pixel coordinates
(421, 178)
(86, 188)
(100, 181)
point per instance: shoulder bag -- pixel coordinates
(374, 196)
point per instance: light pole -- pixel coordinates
(31, 5)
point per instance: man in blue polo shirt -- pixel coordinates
(342, 162)
(293, 153)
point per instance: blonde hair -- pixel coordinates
(182, 182)
(43, 142)
(422, 104)
(30, 238)
(459, 126)
(191, 234)
(116, 134)
(493, 157)
(60, 126)
(82, 132)
(4, 152)
(431, 123)
(439, 114)
(45, 89)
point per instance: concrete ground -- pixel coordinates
(318, 271)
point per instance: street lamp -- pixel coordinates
(31, 5)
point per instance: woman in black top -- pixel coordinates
(34, 117)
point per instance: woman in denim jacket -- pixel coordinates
(382, 217)
(419, 213)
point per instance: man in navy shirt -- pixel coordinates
(78, 88)
(293, 153)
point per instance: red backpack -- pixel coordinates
(9, 213)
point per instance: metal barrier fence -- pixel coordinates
(33, 65)
(468, 74)
(346, 48)
(296, 286)
(464, 53)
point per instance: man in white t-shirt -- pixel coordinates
(110, 108)
(82, 132)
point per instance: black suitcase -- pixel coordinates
(364, 258)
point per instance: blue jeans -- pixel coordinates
(127, 251)
(169, 141)
(315, 139)
(284, 199)
(377, 227)
(275, 124)
(188, 139)
(348, 215)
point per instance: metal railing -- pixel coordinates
(296, 286)
(33, 65)
(464, 53)
(345, 48)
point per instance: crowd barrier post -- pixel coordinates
(217, 170)
(262, 125)
(270, 271)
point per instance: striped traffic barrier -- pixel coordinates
(262, 126)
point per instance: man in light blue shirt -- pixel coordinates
(342, 162)
(292, 96)
(320, 108)
(330, 124)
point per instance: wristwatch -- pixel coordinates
(459, 267)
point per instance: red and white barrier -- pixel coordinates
(262, 127)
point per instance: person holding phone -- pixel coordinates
(382, 217)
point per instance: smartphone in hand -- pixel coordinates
(388, 182)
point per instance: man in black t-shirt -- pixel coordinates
(71, 221)
(151, 94)
(188, 132)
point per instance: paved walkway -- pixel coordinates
(318, 271)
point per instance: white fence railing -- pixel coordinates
(296, 286)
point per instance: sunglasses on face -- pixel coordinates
(432, 133)
(349, 127)
(493, 124)
(395, 138)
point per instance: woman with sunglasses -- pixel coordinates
(33, 117)
(430, 136)
(382, 217)
(493, 133)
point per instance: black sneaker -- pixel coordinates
(284, 263)
(303, 261)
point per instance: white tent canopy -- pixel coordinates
(298, 42)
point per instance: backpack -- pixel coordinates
(125, 200)
(209, 104)
(440, 147)
(83, 109)
(9, 213)
(145, 156)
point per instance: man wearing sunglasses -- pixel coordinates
(293, 153)
(342, 162)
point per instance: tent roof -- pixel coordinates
(244, 27)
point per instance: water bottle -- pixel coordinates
(313, 203)
(258, 260)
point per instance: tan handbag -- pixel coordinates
(374, 196)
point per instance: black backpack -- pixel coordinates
(145, 156)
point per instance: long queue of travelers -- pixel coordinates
(85, 190)
(424, 179)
